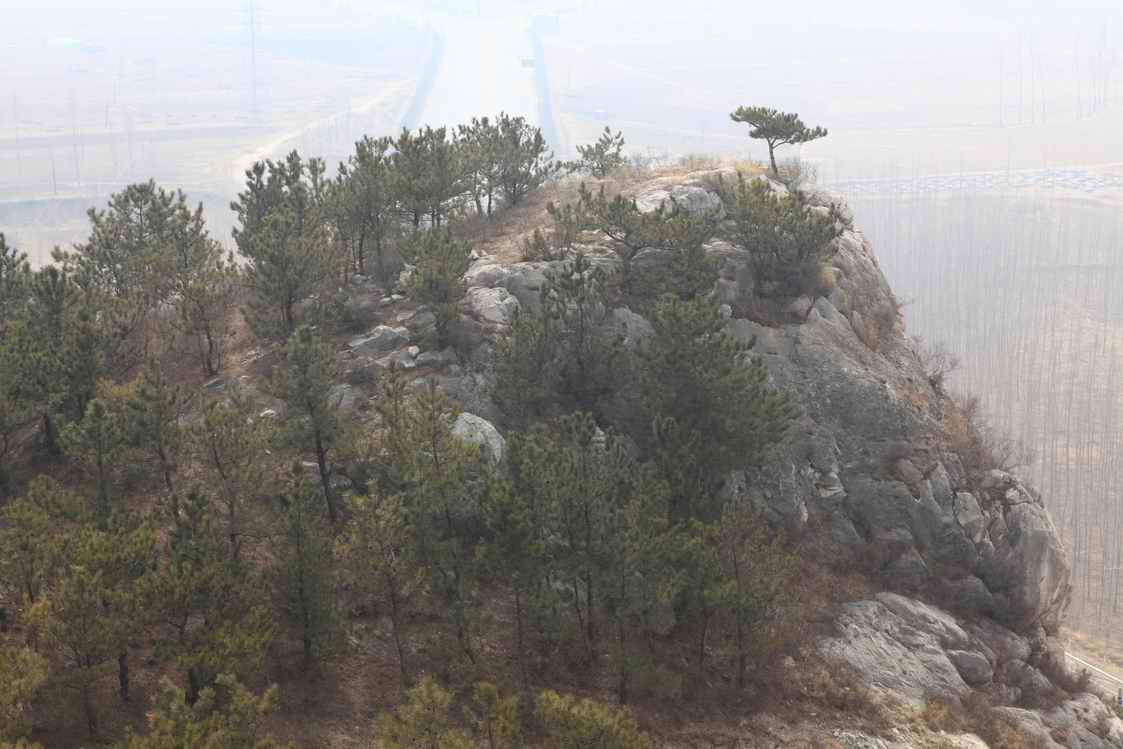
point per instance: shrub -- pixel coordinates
(602, 158)
(936, 361)
(787, 238)
(441, 263)
(670, 228)
(979, 445)
(794, 174)
(575, 724)
(423, 722)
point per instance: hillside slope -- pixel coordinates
(974, 572)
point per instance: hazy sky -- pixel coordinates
(97, 94)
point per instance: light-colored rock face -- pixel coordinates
(897, 644)
(695, 199)
(478, 431)
(862, 390)
(493, 307)
(380, 340)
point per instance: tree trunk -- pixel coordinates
(50, 434)
(622, 684)
(519, 636)
(395, 629)
(325, 478)
(772, 159)
(88, 708)
(123, 676)
(193, 686)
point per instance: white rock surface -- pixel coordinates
(479, 431)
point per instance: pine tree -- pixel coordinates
(494, 718)
(525, 162)
(229, 445)
(206, 612)
(15, 278)
(755, 586)
(438, 280)
(776, 128)
(441, 485)
(576, 299)
(379, 550)
(304, 571)
(571, 723)
(515, 554)
(86, 635)
(429, 172)
(22, 672)
(709, 400)
(526, 371)
(305, 384)
(126, 265)
(37, 350)
(97, 442)
(230, 720)
(365, 203)
(788, 242)
(423, 722)
(284, 237)
(578, 479)
(153, 410)
(203, 288)
(480, 144)
(33, 540)
(602, 158)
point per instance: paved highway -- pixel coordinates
(1102, 679)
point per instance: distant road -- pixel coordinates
(1078, 179)
(1101, 678)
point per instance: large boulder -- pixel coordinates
(1027, 569)
(380, 340)
(897, 644)
(695, 199)
(491, 307)
(479, 431)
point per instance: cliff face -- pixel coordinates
(871, 478)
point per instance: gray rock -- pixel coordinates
(651, 258)
(421, 322)
(1005, 645)
(491, 306)
(725, 311)
(477, 431)
(632, 328)
(380, 340)
(921, 616)
(437, 359)
(343, 396)
(941, 487)
(1030, 724)
(1029, 567)
(399, 359)
(968, 594)
(1086, 723)
(694, 199)
(973, 667)
(897, 653)
(969, 516)
(405, 278)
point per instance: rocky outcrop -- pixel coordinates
(900, 645)
(870, 463)
(379, 340)
(475, 430)
(869, 469)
